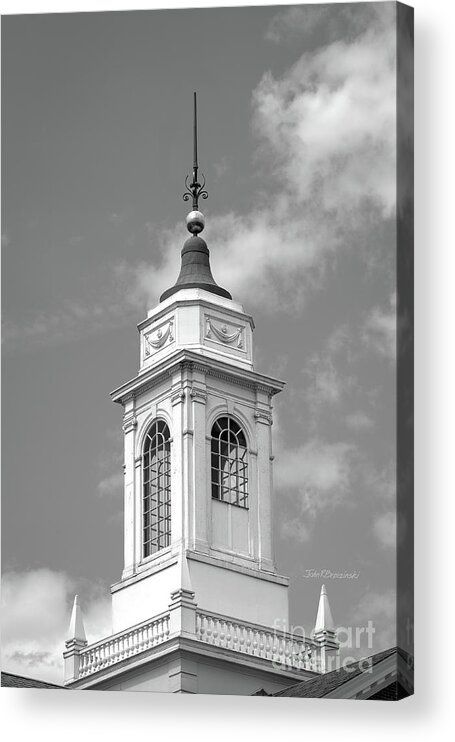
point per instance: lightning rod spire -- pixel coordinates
(195, 190)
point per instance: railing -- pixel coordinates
(283, 649)
(123, 645)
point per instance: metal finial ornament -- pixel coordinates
(195, 190)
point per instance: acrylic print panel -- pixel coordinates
(237, 517)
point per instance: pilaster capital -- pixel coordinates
(129, 423)
(74, 646)
(263, 416)
(198, 395)
(177, 396)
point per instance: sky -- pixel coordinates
(297, 142)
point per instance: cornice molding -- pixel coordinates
(202, 302)
(191, 361)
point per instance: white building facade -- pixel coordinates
(200, 606)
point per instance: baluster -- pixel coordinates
(242, 645)
(228, 634)
(262, 643)
(287, 651)
(296, 654)
(202, 627)
(248, 640)
(216, 630)
(235, 637)
(126, 645)
(209, 628)
(222, 633)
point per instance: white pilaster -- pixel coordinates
(130, 515)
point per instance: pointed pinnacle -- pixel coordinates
(76, 630)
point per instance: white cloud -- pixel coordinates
(381, 483)
(73, 321)
(5, 240)
(390, 529)
(380, 609)
(326, 130)
(385, 529)
(36, 609)
(326, 133)
(324, 382)
(359, 421)
(303, 23)
(330, 121)
(328, 375)
(221, 167)
(380, 331)
(320, 474)
(111, 486)
(295, 529)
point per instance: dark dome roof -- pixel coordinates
(195, 272)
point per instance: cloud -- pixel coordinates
(270, 278)
(36, 608)
(303, 23)
(116, 218)
(111, 486)
(380, 330)
(326, 153)
(385, 529)
(380, 482)
(221, 167)
(71, 322)
(5, 240)
(318, 473)
(327, 374)
(379, 608)
(330, 122)
(295, 529)
(390, 529)
(359, 421)
(324, 382)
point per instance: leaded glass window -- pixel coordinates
(229, 462)
(156, 503)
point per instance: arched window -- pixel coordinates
(229, 462)
(156, 471)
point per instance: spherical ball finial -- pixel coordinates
(195, 222)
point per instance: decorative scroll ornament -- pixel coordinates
(224, 335)
(161, 336)
(195, 190)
